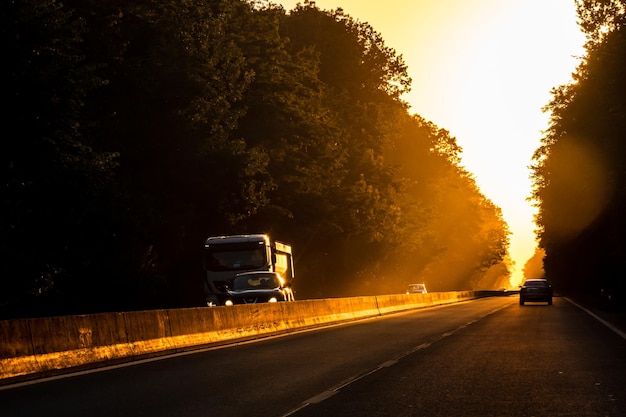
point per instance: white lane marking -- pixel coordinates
(321, 397)
(331, 392)
(606, 323)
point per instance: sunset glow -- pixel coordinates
(483, 70)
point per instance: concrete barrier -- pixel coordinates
(388, 304)
(34, 348)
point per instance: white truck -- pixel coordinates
(226, 256)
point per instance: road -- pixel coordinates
(488, 357)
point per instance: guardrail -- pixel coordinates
(41, 347)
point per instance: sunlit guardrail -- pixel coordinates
(39, 347)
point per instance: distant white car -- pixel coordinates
(417, 289)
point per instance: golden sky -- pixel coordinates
(482, 69)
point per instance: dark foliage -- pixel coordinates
(135, 129)
(579, 174)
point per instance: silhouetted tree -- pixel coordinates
(54, 183)
(579, 176)
(142, 127)
(533, 268)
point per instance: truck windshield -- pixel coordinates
(234, 258)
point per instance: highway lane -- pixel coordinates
(489, 357)
(526, 361)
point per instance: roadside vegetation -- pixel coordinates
(136, 129)
(579, 171)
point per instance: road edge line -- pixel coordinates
(601, 320)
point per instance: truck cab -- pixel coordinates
(226, 256)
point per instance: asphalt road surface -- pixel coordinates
(488, 357)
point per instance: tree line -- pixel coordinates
(136, 129)
(578, 171)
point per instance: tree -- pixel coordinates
(174, 97)
(53, 180)
(147, 126)
(533, 268)
(311, 182)
(597, 18)
(579, 179)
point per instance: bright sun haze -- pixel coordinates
(482, 69)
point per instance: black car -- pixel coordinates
(258, 287)
(535, 290)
